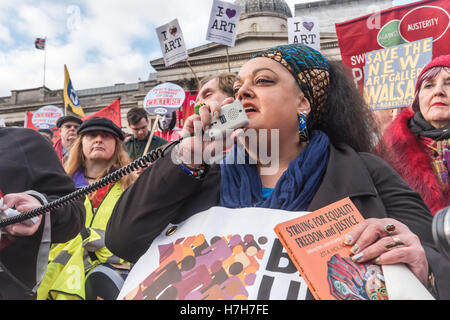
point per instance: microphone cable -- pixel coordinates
(141, 162)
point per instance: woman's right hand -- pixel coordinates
(194, 149)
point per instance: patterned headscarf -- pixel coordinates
(309, 68)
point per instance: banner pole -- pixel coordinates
(195, 75)
(45, 58)
(228, 59)
(151, 134)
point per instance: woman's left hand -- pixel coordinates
(388, 241)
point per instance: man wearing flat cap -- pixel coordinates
(68, 126)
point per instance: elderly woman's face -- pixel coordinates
(98, 145)
(270, 95)
(434, 100)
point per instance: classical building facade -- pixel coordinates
(263, 24)
(330, 12)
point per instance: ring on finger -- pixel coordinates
(389, 228)
(395, 243)
(197, 107)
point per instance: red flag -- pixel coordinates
(394, 26)
(111, 112)
(29, 124)
(188, 106)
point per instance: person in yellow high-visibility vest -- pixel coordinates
(74, 265)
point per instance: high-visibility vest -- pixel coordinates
(70, 262)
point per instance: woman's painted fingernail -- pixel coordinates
(354, 249)
(216, 114)
(358, 256)
(376, 260)
(348, 239)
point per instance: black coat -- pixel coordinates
(165, 194)
(28, 162)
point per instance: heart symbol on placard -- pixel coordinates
(308, 25)
(230, 13)
(173, 30)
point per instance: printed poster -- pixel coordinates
(304, 30)
(172, 44)
(164, 98)
(46, 117)
(391, 73)
(223, 22)
(220, 253)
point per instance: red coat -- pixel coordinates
(404, 152)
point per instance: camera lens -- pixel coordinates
(441, 231)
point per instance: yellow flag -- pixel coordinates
(70, 96)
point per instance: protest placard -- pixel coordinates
(391, 73)
(172, 42)
(223, 23)
(218, 254)
(391, 27)
(305, 30)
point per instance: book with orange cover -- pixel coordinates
(315, 244)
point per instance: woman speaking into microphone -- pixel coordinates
(325, 135)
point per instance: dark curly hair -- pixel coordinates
(346, 118)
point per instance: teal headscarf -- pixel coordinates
(309, 68)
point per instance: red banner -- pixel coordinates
(111, 112)
(391, 27)
(28, 123)
(187, 108)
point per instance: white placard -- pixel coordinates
(223, 22)
(304, 30)
(172, 42)
(46, 117)
(220, 253)
(164, 98)
(402, 284)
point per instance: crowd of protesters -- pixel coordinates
(329, 148)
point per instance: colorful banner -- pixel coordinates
(391, 73)
(111, 112)
(70, 96)
(28, 123)
(223, 22)
(218, 254)
(172, 43)
(305, 30)
(391, 27)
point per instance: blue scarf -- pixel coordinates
(241, 185)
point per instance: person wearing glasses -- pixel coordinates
(68, 126)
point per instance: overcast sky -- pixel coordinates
(103, 42)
